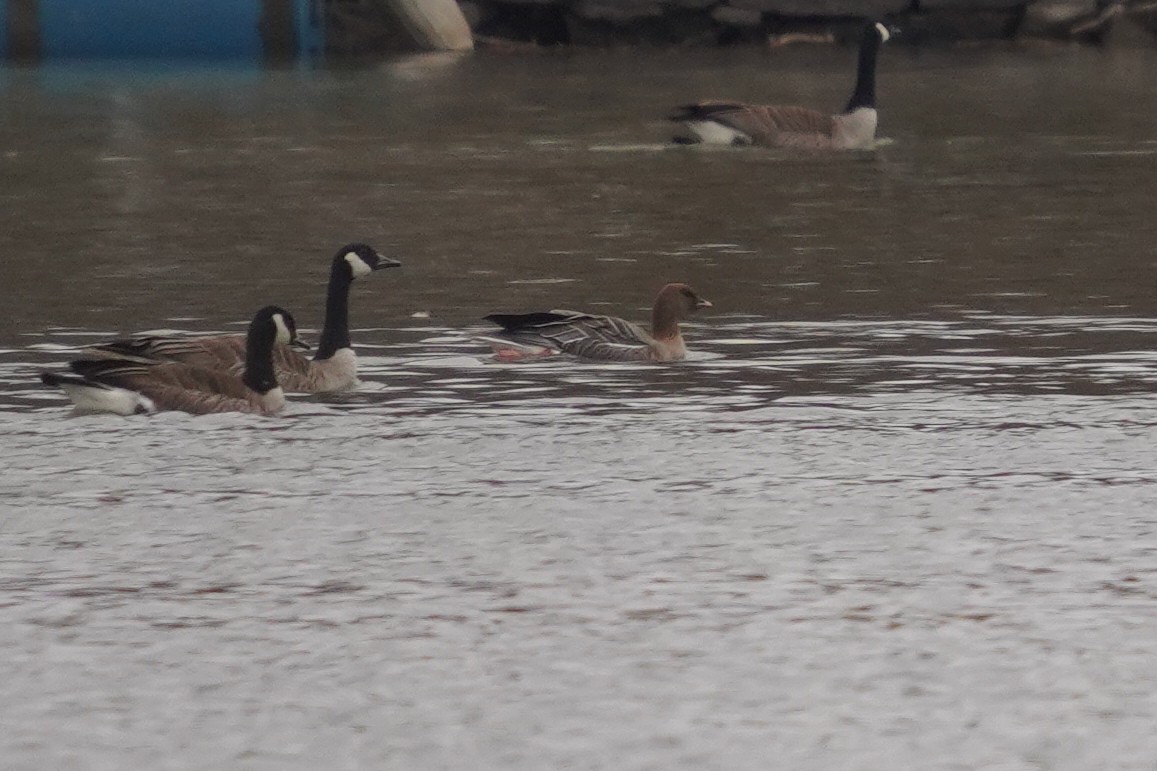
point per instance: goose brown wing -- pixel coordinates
(222, 352)
(176, 386)
(146, 377)
(762, 122)
(172, 397)
(225, 353)
(579, 334)
(296, 372)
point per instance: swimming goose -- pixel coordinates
(139, 384)
(333, 367)
(736, 123)
(532, 335)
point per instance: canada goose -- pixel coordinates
(736, 123)
(531, 335)
(135, 384)
(333, 367)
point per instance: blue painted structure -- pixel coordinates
(168, 29)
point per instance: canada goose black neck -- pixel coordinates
(864, 94)
(335, 331)
(259, 374)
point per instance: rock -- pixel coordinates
(1056, 18)
(539, 23)
(968, 6)
(866, 8)
(796, 38)
(715, 22)
(472, 12)
(736, 17)
(1137, 28)
(606, 23)
(434, 25)
(618, 10)
(952, 25)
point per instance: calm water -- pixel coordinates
(895, 511)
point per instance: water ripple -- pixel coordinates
(735, 364)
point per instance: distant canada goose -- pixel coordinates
(333, 367)
(737, 123)
(533, 335)
(139, 384)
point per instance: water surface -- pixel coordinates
(895, 511)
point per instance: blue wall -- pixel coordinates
(135, 28)
(182, 29)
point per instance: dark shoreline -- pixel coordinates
(608, 23)
(280, 31)
(528, 25)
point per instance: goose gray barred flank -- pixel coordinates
(738, 123)
(533, 335)
(334, 364)
(139, 384)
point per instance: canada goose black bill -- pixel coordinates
(135, 384)
(739, 123)
(334, 364)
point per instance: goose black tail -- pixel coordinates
(512, 321)
(685, 112)
(56, 379)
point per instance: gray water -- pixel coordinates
(894, 512)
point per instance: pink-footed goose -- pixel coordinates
(140, 384)
(738, 123)
(532, 335)
(334, 364)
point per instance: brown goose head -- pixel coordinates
(674, 303)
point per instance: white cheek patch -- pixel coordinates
(357, 265)
(884, 34)
(283, 333)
